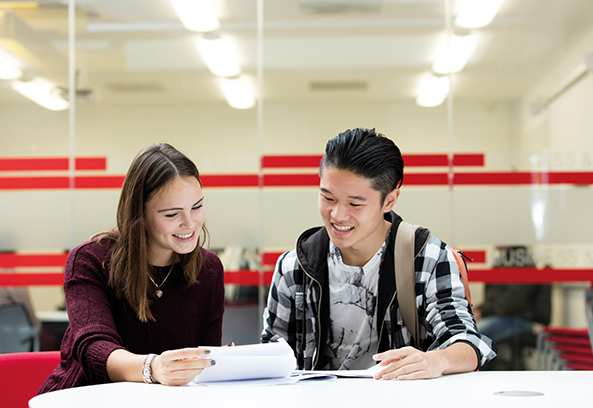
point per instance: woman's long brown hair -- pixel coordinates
(152, 169)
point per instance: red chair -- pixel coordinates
(565, 354)
(21, 374)
(575, 361)
(559, 335)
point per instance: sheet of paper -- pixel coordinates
(295, 377)
(254, 361)
(368, 373)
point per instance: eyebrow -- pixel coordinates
(179, 208)
(359, 198)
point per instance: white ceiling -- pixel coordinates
(136, 51)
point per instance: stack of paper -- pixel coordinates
(254, 361)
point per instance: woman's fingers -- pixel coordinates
(177, 367)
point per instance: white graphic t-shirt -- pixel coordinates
(353, 335)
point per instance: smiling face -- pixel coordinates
(174, 218)
(352, 213)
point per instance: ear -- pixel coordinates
(390, 200)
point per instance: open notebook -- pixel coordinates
(264, 361)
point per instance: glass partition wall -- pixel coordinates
(493, 117)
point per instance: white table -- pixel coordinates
(565, 389)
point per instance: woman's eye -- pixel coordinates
(197, 207)
(170, 215)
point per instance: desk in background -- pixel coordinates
(53, 327)
(559, 388)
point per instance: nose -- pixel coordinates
(187, 220)
(339, 212)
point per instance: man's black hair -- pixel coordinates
(367, 154)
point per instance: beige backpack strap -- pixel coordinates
(405, 277)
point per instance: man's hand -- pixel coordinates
(408, 363)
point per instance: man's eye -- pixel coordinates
(328, 199)
(171, 215)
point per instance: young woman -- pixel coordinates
(144, 298)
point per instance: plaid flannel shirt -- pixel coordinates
(297, 301)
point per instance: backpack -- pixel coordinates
(405, 276)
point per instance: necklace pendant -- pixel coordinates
(159, 293)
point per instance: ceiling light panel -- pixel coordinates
(452, 54)
(8, 67)
(433, 91)
(477, 13)
(40, 91)
(197, 15)
(238, 92)
(220, 55)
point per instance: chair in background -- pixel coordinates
(589, 311)
(17, 332)
(549, 337)
(567, 348)
(564, 355)
(21, 375)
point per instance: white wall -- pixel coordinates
(222, 140)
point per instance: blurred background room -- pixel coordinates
(493, 114)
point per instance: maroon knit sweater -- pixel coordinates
(101, 323)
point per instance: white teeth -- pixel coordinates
(184, 236)
(345, 228)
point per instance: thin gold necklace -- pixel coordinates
(159, 292)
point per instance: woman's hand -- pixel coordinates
(179, 367)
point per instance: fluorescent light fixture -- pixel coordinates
(196, 15)
(238, 92)
(433, 91)
(477, 13)
(220, 55)
(452, 57)
(39, 90)
(8, 67)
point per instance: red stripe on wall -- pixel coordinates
(12, 260)
(438, 160)
(475, 256)
(33, 183)
(31, 279)
(291, 161)
(410, 160)
(425, 179)
(91, 163)
(308, 180)
(529, 275)
(579, 178)
(51, 183)
(291, 180)
(51, 164)
(467, 159)
(270, 258)
(102, 182)
(99, 182)
(230, 180)
(251, 278)
(247, 278)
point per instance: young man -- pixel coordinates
(333, 298)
